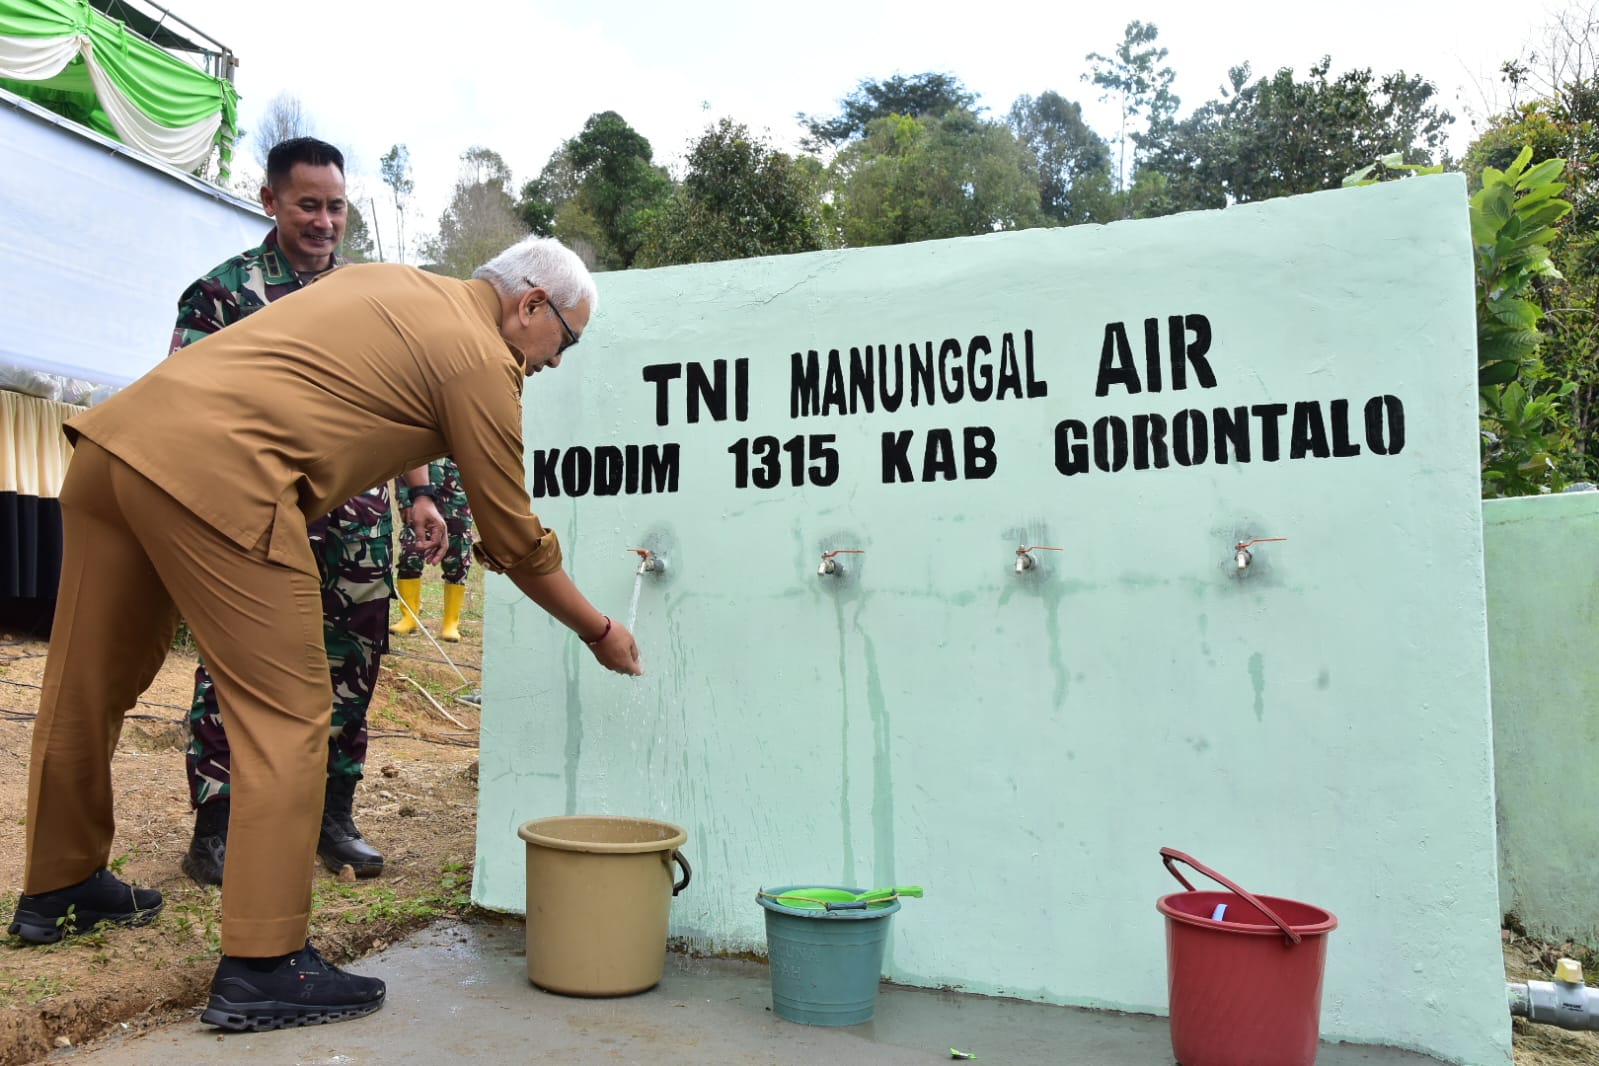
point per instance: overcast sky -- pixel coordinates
(521, 77)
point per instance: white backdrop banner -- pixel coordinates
(98, 244)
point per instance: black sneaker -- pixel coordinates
(287, 991)
(45, 917)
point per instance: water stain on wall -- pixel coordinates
(1257, 677)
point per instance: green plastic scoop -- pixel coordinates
(837, 899)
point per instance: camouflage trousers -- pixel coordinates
(445, 478)
(457, 558)
(356, 585)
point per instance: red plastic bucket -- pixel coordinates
(1245, 990)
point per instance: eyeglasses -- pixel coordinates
(571, 338)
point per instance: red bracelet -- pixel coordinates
(603, 635)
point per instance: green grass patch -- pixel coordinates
(30, 991)
(356, 903)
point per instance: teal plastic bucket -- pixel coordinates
(825, 964)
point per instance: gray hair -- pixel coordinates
(543, 262)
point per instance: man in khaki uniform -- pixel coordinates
(372, 370)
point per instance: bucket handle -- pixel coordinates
(677, 857)
(1170, 855)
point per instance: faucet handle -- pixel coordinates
(648, 561)
(1242, 556)
(1024, 558)
(831, 565)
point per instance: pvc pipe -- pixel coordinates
(1568, 1004)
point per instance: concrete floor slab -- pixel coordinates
(459, 992)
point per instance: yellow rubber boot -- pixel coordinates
(410, 590)
(454, 596)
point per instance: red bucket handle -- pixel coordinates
(1170, 855)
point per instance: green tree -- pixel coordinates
(1512, 225)
(396, 169)
(1279, 136)
(481, 218)
(485, 166)
(1140, 87)
(917, 179)
(357, 246)
(738, 198)
(579, 231)
(929, 95)
(542, 198)
(1555, 113)
(283, 119)
(1526, 443)
(618, 185)
(536, 208)
(1073, 162)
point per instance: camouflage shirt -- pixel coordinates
(233, 290)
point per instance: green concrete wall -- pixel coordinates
(1023, 744)
(1542, 560)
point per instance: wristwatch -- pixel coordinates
(413, 491)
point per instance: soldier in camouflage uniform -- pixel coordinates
(451, 500)
(353, 545)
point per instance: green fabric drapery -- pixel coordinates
(166, 93)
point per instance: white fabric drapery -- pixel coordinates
(38, 58)
(33, 451)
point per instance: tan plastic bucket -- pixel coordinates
(599, 893)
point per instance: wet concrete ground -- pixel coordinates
(460, 992)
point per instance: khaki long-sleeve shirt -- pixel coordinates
(373, 370)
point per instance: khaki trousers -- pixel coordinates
(135, 561)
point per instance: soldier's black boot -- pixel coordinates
(203, 860)
(301, 988)
(341, 844)
(45, 917)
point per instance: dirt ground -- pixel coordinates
(417, 804)
(1547, 1045)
